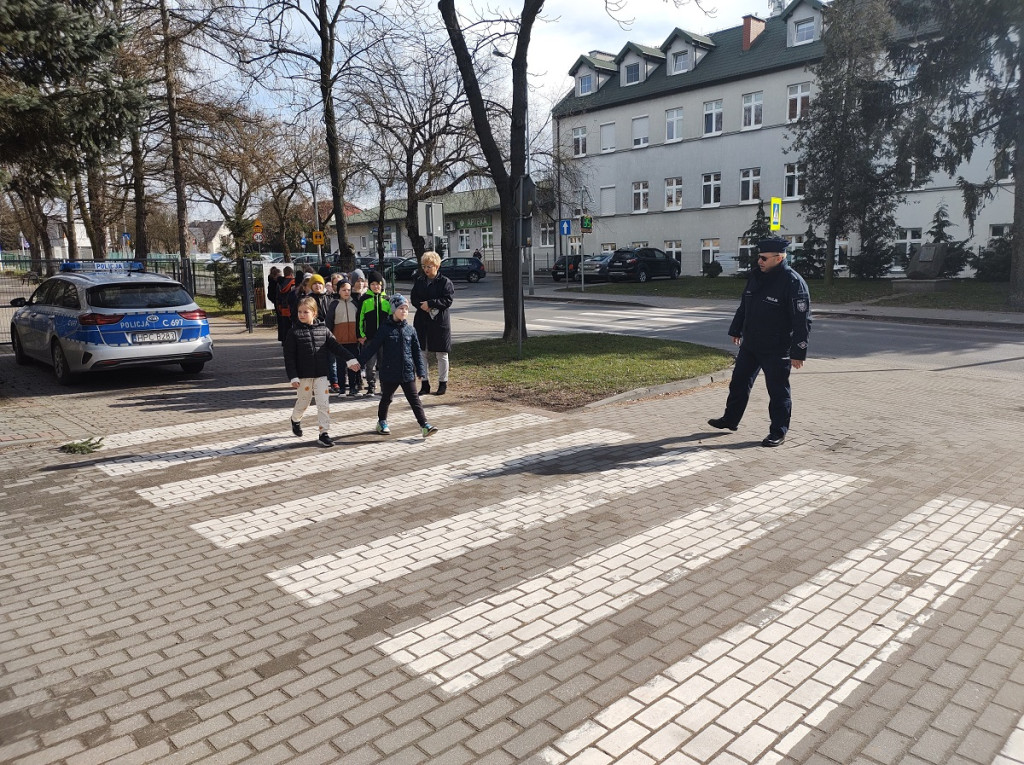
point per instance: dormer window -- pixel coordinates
(586, 84)
(680, 61)
(632, 73)
(803, 32)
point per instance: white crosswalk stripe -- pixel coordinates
(141, 463)
(238, 529)
(468, 645)
(324, 578)
(175, 493)
(1012, 752)
(754, 693)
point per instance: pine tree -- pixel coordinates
(963, 72)
(760, 229)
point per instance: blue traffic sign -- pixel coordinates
(565, 227)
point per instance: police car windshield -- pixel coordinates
(138, 296)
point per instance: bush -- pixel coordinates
(227, 283)
(993, 263)
(809, 260)
(712, 269)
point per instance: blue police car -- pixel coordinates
(91, 317)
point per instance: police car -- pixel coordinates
(95, 316)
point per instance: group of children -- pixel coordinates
(366, 331)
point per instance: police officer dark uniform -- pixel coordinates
(771, 328)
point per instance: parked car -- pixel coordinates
(558, 269)
(470, 269)
(90, 317)
(388, 261)
(595, 269)
(366, 263)
(403, 271)
(641, 264)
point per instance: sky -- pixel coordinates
(576, 27)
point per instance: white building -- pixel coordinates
(679, 142)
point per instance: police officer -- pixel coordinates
(771, 328)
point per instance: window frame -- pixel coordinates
(681, 57)
(602, 132)
(677, 189)
(710, 249)
(800, 98)
(711, 182)
(641, 197)
(589, 80)
(750, 182)
(716, 113)
(674, 124)
(640, 141)
(633, 66)
(579, 141)
(754, 110)
(799, 180)
(799, 26)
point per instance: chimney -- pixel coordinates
(752, 27)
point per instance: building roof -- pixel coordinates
(725, 61)
(644, 51)
(816, 4)
(458, 203)
(596, 60)
(701, 41)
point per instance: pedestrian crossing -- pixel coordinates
(752, 693)
(621, 322)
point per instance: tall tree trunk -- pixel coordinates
(83, 206)
(345, 255)
(69, 228)
(170, 83)
(95, 187)
(1017, 242)
(141, 203)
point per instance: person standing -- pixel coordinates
(373, 312)
(432, 294)
(342, 318)
(308, 349)
(282, 302)
(400, 365)
(771, 327)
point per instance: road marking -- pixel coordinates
(1012, 752)
(141, 463)
(755, 693)
(330, 576)
(176, 493)
(240, 528)
(466, 646)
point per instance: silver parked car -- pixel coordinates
(86, 319)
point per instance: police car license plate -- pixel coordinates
(164, 336)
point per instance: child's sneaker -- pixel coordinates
(326, 440)
(297, 428)
(383, 429)
(428, 430)
(335, 389)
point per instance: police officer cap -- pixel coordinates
(772, 244)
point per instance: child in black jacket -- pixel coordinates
(307, 360)
(400, 364)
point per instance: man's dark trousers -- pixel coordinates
(776, 377)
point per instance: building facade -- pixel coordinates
(678, 144)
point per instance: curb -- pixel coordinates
(638, 394)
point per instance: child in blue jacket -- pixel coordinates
(400, 364)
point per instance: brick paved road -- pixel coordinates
(618, 584)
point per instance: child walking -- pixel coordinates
(307, 359)
(374, 311)
(400, 364)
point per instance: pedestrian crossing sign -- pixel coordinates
(776, 223)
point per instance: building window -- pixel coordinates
(799, 100)
(674, 249)
(680, 61)
(1003, 165)
(579, 142)
(632, 73)
(712, 190)
(463, 240)
(547, 233)
(752, 110)
(362, 242)
(636, 245)
(641, 196)
(796, 183)
(586, 82)
(608, 137)
(575, 245)
(908, 241)
(750, 184)
(713, 117)
(640, 131)
(487, 238)
(998, 230)
(607, 200)
(803, 32)
(673, 193)
(673, 124)
(607, 246)
(708, 250)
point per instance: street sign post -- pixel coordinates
(318, 238)
(565, 227)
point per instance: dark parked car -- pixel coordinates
(403, 271)
(595, 269)
(470, 269)
(641, 264)
(558, 270)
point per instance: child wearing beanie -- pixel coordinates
(400, 364)
(373, 312)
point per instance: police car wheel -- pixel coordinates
(61, 369)
(19, 352)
